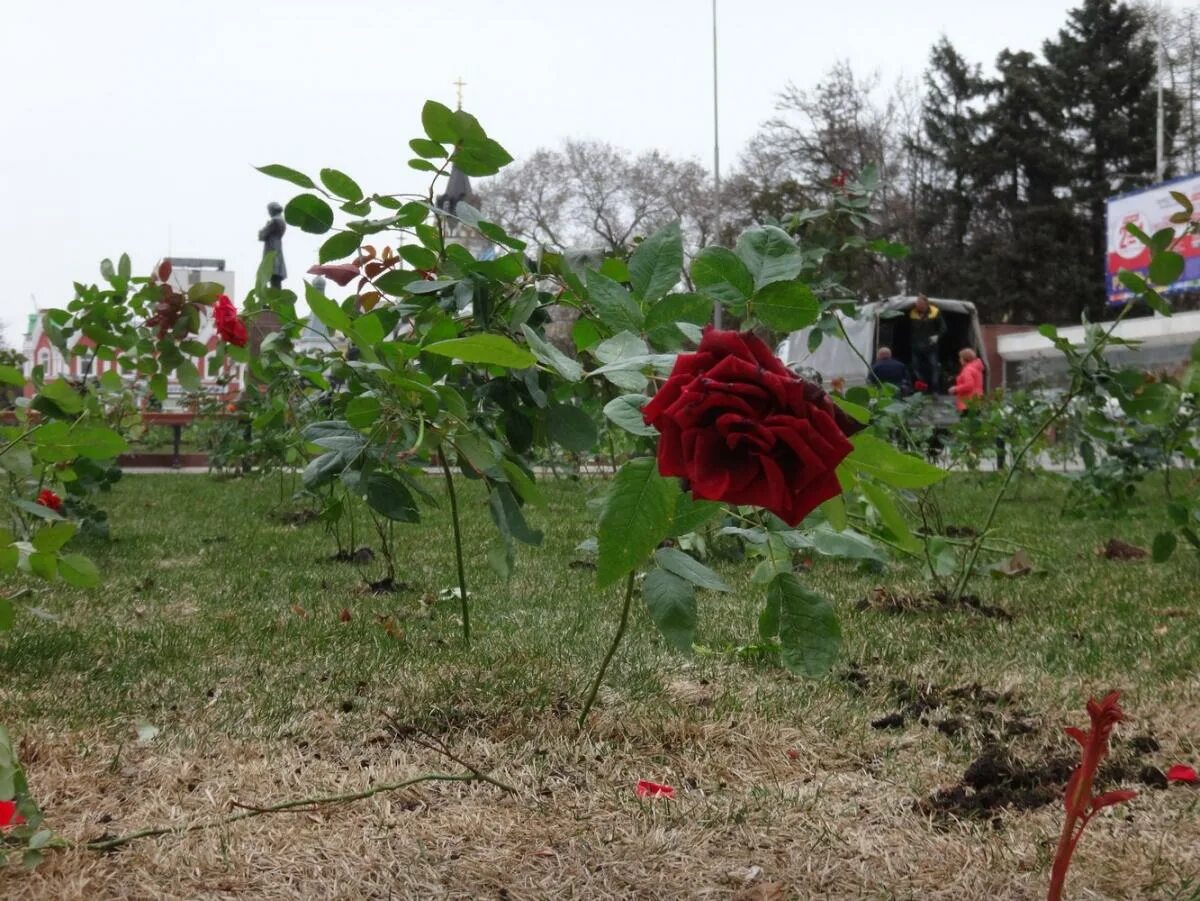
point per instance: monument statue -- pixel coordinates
(271, 235)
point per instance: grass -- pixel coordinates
(222, 626)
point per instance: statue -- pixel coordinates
(271, 235)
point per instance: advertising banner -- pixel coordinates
(1150, 210)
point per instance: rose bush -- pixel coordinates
(741, 428)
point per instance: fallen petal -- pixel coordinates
(9, 815)
(1181, 772)
(647, 789)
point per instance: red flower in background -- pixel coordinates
(229, 325)
(920, 385)
(48, 498)
(9, 815)
(1181, 773)
(839, 180)
(742, 428)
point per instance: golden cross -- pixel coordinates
(460, 84)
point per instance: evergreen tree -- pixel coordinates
(1102, 75)
(947, 148)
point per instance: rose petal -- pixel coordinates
(9, 815)
(1181, 772)
(647, 789)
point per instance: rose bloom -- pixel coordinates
(48, 498)
(740, 427)
(229, 326)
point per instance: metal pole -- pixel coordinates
(717, 154)
(1160, 164)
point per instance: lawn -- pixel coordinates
(226, 659)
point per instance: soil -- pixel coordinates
(1116, 549)
(960, 532)
(999, 777)
(362, 555)
(887, 601)
(294, 517)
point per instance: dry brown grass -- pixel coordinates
(831, 820)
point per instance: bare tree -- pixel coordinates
(594, 194)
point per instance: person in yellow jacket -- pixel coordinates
(926, 327)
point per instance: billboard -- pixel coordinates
(1150, 209)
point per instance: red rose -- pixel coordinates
(48, 498)
(647, 789)
(839, 180)
(740, 427)
(920, 385)
(9, 815)
(229, 326)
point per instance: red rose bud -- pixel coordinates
(839, 180)
(229, 325)
(48, 498)
(740, 427)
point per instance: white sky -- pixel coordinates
(133, 126)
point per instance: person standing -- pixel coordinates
(271, 235)
(887, 368)
(969, 382)
(926, 328)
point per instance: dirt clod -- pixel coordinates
(891, 721)
(1116, 549)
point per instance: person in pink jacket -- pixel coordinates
(969, 382)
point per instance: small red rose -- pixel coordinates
(839, 180)
(9, 815)
(647, 789)
(1181, 772)
(920, 385)
(742, 428)
(48, 498)
(229, 325)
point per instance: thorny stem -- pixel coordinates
(612, 650)
(300, 805)
(458, 553)
(960, 585)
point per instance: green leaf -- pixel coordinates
(418, 257)
(309, 213)
(626, 411)
(674, 308)
(571, 427)
(7, 611)
(809, 632)
(478, 452)
(485, 157)
(886, 464)
(362, 411)
(1166, 267)
(495, 350)
(52, 537)
(44, 565)
(890, 516)
(61, 396)
(689, 514)
(689, 568)
(389, 497)
(614, 305)
(97, 442)
(341, 184)
(655, 266)
(438, 121)
(11, 375)
(332, 316)
(78, 570)
(770, 255)
(636, 517)
(551, 356)
(671, 603)
(431, 150)
(338, 246)
(188, 375)
(719, 273)
(422, 165)
(1164, 546)
(786, 306)
(277, 171)
(507, 515)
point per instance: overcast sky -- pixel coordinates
(133, 126)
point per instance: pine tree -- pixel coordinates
(1102, 75)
